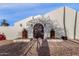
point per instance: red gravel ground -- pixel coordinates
(55, 48)
(42, 48)
(13, 49)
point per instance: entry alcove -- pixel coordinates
(38, 31)
(24, 34)
(52, 34)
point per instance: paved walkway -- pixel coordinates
(55, 48)
(42, 48)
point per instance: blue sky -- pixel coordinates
(14, 12)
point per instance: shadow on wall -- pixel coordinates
(43, 49)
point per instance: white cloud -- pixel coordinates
(12, 5)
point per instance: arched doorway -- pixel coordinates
(24, 34)
(38, 31)
(52, 34)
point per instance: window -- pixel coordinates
(20, 25)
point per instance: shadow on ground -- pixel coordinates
(43, 49)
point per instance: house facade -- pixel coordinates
(62, 22)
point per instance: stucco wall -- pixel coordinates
(77, 27)
(69, 22)
(10, 32)
(53, 19)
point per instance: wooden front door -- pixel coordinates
(52, 34)
(38, 31)
(24, 34)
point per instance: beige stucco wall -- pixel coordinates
(77, 28)
(57, 18)
(11, 32)
(69, 21)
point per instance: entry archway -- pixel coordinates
(38, 31)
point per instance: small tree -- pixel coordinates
(4, 23)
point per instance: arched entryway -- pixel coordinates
(52, 34)
(38, 31)
(24, 34)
